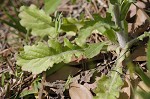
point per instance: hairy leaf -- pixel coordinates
(109, 86)
(51, 5)
(37, 21)
(39, 58)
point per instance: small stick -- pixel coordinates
(42, 85)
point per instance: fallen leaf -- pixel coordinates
(126, 89)
(138, 20)
(139, 54)
(78, 91)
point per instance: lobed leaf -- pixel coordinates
(51, 5)
(100, 24)
(39, 58)
(93, 49)
(71, 24)
(108, 87)
(37, 21)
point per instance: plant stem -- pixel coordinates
(141, 37)
(124, 53)
(122, 38)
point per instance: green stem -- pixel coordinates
(141, 37)
(122, 38)
(128, 45)
(125, 53)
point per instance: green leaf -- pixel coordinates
(3, 79)
(124, 9)
(125, 25)
(114, 2)
(73, 1)
(20, 28)
(32, 52)
(100, 24)
(68, 44)
(88, 0)
(71, 24)
(33, 90)
(55, 45)
(51, 5)
(14, 22)
(39, 58)
(37, 21)
(109, 86)
(144, 95)
(94, 49)
(28, 92)
(110, 34)
(143, 76)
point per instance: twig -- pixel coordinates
(42, 85)
(24, 81)
(95, 6)
(3, 51)
(9, 49)
(88, 13)
(11, 66)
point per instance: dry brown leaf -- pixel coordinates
(133, 9)
(137, 19)
(125, 90)
(139, 54)
(90, 86)
(140, 25)
(78, 91)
